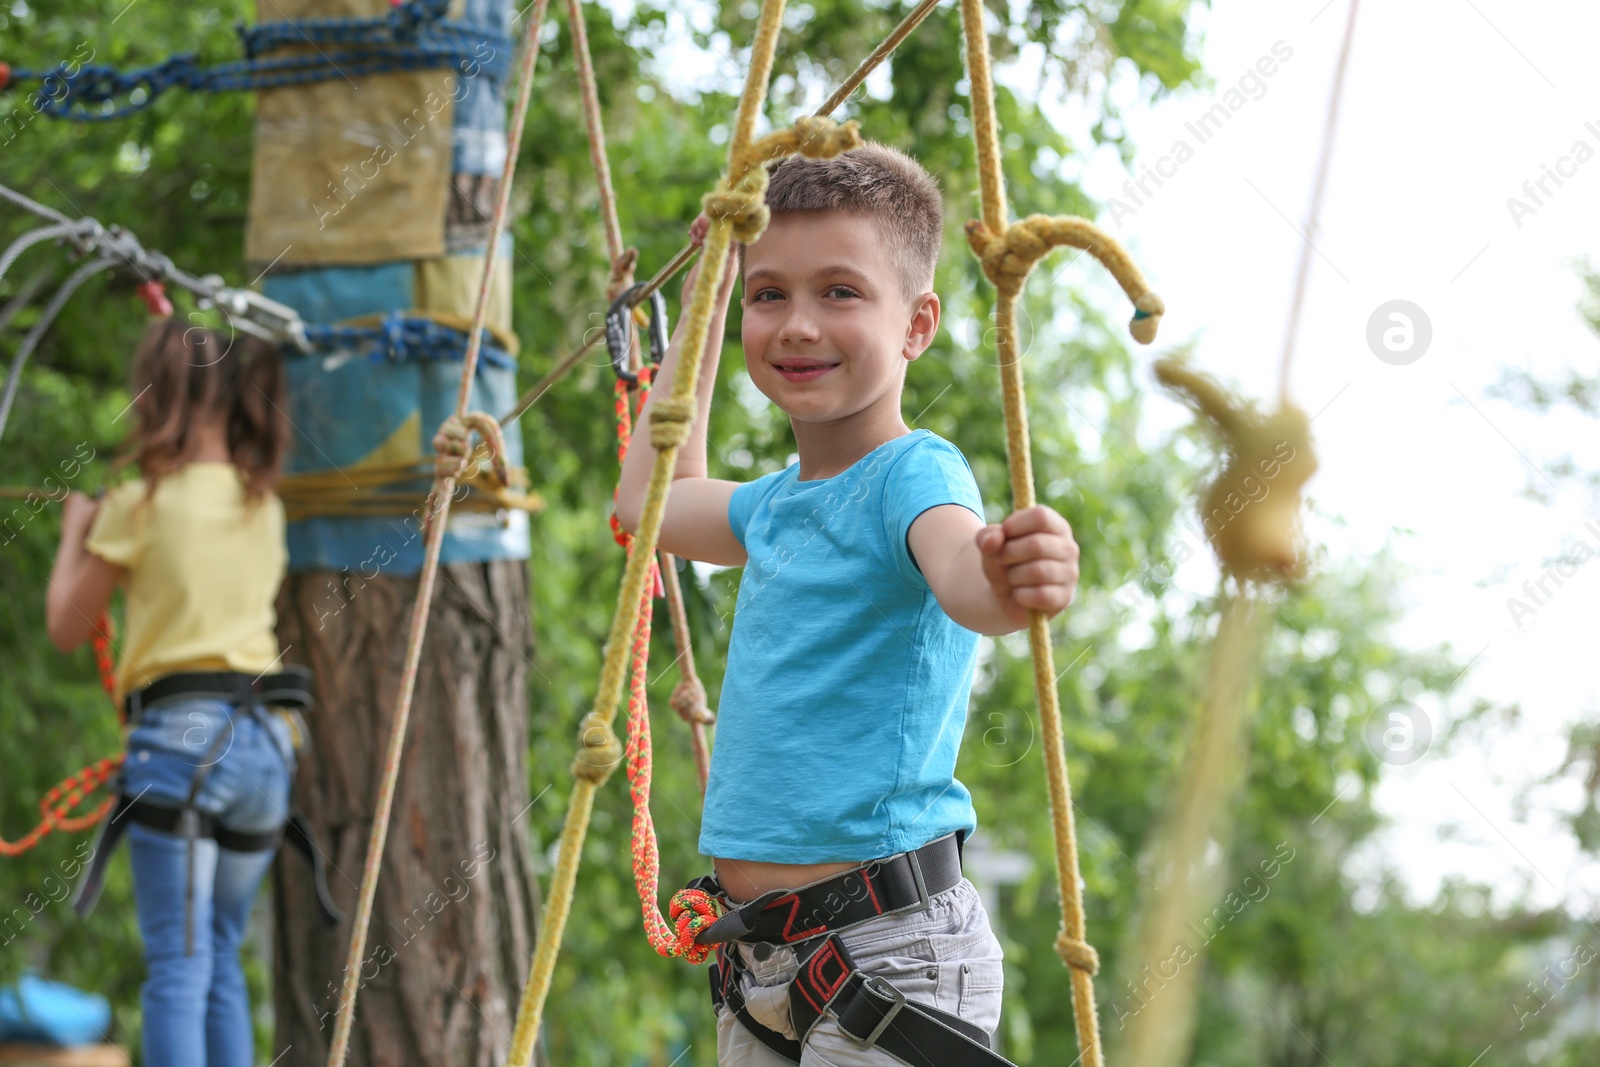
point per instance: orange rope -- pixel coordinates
(691, 910)
(55, 810)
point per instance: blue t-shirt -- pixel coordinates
(846, 689)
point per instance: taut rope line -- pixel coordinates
(451, 443)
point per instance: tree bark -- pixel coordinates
(453, 919)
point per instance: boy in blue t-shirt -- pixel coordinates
(832, 812)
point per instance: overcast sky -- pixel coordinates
(1450, 107)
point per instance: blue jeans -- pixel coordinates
(196, 1008)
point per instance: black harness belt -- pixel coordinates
(869, 1010)
(290, 689)
(901, 883)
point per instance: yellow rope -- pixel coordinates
(871, 63)
(362, 490)
(1251, 510)
(736, 207)
(1008, 252)
(453, 443)
(1159, 1035)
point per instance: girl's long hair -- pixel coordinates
(182, 372)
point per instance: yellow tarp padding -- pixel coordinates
(448, 286)
(362, 164)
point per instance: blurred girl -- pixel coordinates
(197, 543)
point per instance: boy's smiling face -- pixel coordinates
(827, 327)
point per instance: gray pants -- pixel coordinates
(946, 957)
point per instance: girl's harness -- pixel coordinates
(287, 694)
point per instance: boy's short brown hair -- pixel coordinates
(881, 183)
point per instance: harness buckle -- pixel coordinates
(919, 881)
(877, 987)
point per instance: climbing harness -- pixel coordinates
(869, 1010)
(414, 35)
(286, 694)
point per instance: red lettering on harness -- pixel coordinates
(866, 879)
(789, 933)
(824, 985)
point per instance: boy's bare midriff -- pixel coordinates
(745, 880)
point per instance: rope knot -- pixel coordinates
(689, 701)
(1007, 256)
(822, 138)
(743, 203)
(1252, 508)
(453, 444)
(599, 751)
(621, 273)
(691, 910)
(1078, 954)
(670, 421)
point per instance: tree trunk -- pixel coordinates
(453, 919)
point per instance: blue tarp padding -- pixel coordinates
(480, 121)
(52, 1013)
(344, 406)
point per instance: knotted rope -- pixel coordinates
(57, 805)
(1008, 252)
(438, 515)
(1009, 256)
(885, 49)
(414, 35)
(646, 858)
(1255, 501)
(671, 418)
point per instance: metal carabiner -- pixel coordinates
(619, 330)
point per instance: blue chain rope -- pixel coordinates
(402, 337)
(412, 36)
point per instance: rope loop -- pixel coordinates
(689, 701)
(1009, 256)
(671, 420)
(456, 457)
(599, 751)
(1077, 954)
(691, 910)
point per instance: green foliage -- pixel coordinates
(1387, 982)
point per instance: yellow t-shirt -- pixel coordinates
(204, 568)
